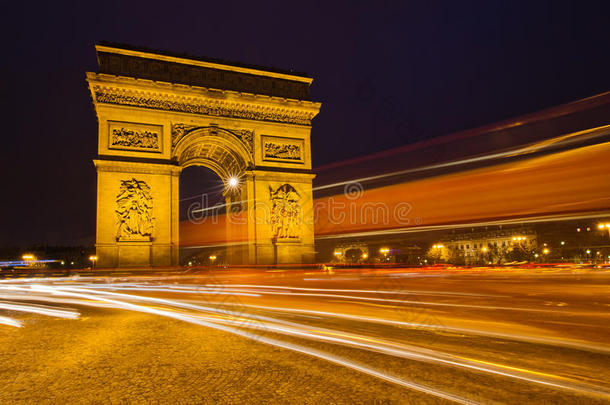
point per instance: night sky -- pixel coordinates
(388, 73)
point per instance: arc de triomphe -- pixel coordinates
(158, 114)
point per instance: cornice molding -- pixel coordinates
(107, 89)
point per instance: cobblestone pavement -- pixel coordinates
(486, 337)
(126, 357)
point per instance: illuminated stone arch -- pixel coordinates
(159, 113)
(215, 148)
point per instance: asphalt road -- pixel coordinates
(308, 336)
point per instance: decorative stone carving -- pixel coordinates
(180, 130)
(282, 149)
(135, 136)
(109, 95)
(136, 139)
(246, 136)
(285, 212)
(134, 211)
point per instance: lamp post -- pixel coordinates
(93, 259)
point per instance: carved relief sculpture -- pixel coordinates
(282, 151)
(134, 211)
(285, 212)
(202, 106)
(290, 150)
(138, 139)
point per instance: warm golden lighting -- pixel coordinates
(28, 257)
(438, 246)
(365, 255)
(92, 258)
(213, 257)
(337, 253)
(546, 251)
(233, 182)
(384, 251)
(484, 249)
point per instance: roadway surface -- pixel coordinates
(308, 336)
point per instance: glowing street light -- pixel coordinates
(212, 258)
(546, 251)
(28, 256)
(604, 225)
(233, 182)
(93, 259)
(384, 251)
(365, 256)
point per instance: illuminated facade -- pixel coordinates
(491, 246)
(158, 114)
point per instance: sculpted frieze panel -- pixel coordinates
(285, 213)
(136, 137)
(134, 211)
(283, 149)
(200, 106)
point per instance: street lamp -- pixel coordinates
(93, 259)
(212, 258)
(604, 225)
(384, 251)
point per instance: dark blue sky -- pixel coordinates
(388, 73)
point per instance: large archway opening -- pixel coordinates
(202, 209)
(211, 186)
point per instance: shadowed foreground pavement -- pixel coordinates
(355, 336)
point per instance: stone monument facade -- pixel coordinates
(159, 113)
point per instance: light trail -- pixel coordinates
(432, 327)
(258, 338)
(35, 309)
(228, 321)
(537, 147)
(4, 320)
(393, 292)
(510, 221)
